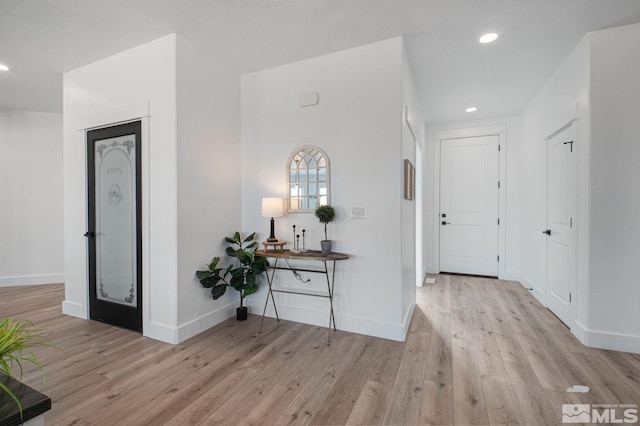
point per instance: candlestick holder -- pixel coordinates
(295, 243)
(304, 247)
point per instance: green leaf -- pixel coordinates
(203, 274)
(258, 267)
(231, 252)
(244, 257)
(228, 270)
(218, 291)
(249, 238)
(214, 263)
(238, 272)
(250, 246)
(263, 260)
(210, 281)
(251, 281)
(236, 237)
(237, 282)
(249, 290)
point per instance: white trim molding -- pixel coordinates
(347, 323)
(606, 340)
(31, 280)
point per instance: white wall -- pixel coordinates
(140, 82)
(564, 98)
(358, 124)
(614, 250)
(190, 107)
(597, 86)
(208, 180)
(31, 218)
(412, 133)
(510, 182)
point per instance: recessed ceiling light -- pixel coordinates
(471, 109)
(4, 68)
(488, 38)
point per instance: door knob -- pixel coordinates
(548, 232)
(90, 234)
(446, 223)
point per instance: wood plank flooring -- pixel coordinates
(479, 351)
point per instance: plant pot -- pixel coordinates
(241, 313)
(326, 246)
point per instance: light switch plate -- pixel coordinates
(358, 212)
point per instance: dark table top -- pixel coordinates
(307, 255)
(33, 402)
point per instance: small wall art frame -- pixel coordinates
(409, 180)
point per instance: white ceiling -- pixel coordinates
(41, 39)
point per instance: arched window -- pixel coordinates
(307, 179)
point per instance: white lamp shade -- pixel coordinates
(272, 207)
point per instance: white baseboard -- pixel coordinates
(510, 276)
(431, 269)
(158, 331)
(75, 309)
(205, 322)
(607, 340)
(351, 324)
(31, 280)
(580, 331)
(407, 321)
(592, 338)
(164, 332)
(533, 289)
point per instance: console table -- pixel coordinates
(312, 255)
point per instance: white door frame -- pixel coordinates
(140, 111)
(501, 131)
(573, 211)
(419, 215)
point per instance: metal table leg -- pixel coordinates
(330, 289)
(270, 293)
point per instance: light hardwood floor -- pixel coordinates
(479, 351)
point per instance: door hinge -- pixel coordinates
(498, 221)
(569, 297)
(498, 184)
(498, 147)
(498, 258)
(570, 222)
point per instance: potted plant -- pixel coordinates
(16, 343)
(325, 214)
(242, 276)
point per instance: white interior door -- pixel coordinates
(560, 184)
(469, 173)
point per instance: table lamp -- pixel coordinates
(272, 207)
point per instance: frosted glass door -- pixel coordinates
(113, 156)
(116, 219)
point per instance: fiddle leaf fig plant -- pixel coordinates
(241, 275)
(17, 338)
